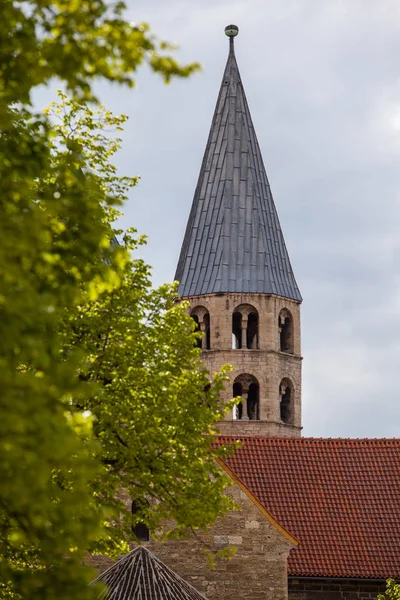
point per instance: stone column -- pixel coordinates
(204, 338)
(282, 392)
(245, 411)
(244, 333)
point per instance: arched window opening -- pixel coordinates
(252, 330)
(236, 331)
(253, 404)
(247, 387)
(245, 327)
(285, 328)
(201, 316)
(196, 320)
(139, 529)
(204, 401)
(238, 409)
(207, 333)
(286, 403)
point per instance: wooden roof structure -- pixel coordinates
(142, 576)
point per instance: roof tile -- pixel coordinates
(340, 498)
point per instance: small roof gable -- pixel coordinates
(260, 507)
(340, 498)
(233, 240)
(142, 576)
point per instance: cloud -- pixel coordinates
(322, 84)
(322, 81)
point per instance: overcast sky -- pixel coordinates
(322, 79)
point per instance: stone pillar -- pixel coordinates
(245, 410)
(204, 338)
(282, 389)
(244, 333)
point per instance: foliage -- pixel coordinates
(55, 252)
(150, 395)
(52, 235)
(153, 406)
(75, 41)
(392, 591)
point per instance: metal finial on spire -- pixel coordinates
(231, 30)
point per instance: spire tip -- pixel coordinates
(231, 30)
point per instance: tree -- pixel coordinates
(55, 251)
(152, 405)
(392, 591)
(151, 397)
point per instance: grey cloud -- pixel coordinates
(322, 81)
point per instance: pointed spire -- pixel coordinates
(233, 240)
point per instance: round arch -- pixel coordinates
(201, 317)
(245, 322)
(246, 386)
(286, 331)
(286, 400)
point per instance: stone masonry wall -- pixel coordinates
(334, 589)
(256, 428)
(258, 570)
(266, 363)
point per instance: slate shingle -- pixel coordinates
(233, 240)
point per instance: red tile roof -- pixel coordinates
(340, 498)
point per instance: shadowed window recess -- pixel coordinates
(246, 386)
(201, 317)
(286, 401)
(139, 528)
(245, 328)
(285, 329)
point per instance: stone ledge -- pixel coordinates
(250, 351)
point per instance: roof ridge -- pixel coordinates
(257, 503)
(290, 440)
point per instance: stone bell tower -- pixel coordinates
(235, 271)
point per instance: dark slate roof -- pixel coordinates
(340, 498)
(233, 240)
(142, 576)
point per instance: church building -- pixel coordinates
(319, 519)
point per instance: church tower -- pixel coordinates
(235, 271)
